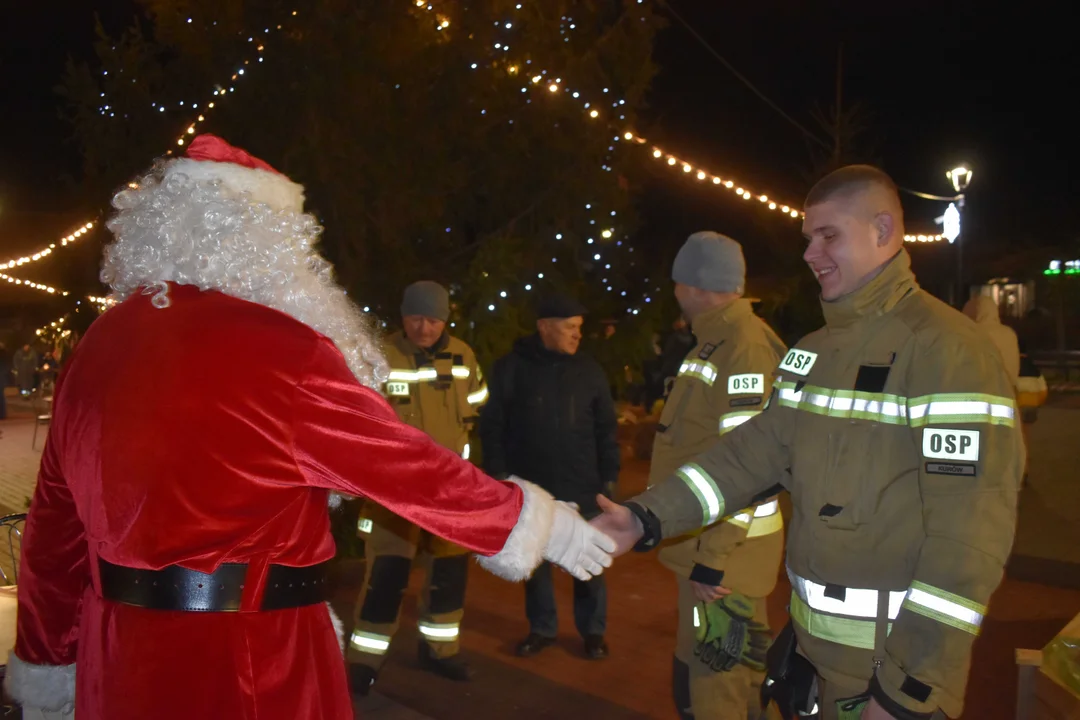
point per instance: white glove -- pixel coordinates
(576, 546)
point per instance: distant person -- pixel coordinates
(984, 311)
(550, 418)
(435, 385)
(726, 571)
(25, 366)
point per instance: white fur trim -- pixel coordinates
(524, 548)
(339, 627)
(277, 191)
(42, 687)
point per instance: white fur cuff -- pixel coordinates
(524, 548)
(43, 687)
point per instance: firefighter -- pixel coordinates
(435, 385)
(899, 426)
(721, 384)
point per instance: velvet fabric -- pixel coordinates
(208, 432)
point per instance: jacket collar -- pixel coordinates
(410, 348)
(876, 298)
(715, 321)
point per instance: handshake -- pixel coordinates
(583, 548)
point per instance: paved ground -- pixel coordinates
(1032, 604)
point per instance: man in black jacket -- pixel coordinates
(550, 419)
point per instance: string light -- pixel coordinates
(36, 286)
(192, 127)
(705, 175)
(102, 303)
(923, 238)
(46, 251)
(54, 326)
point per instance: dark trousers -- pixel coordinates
(590, 604)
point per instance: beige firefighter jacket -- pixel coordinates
(438, 392)
(898, 423)
(723, 382)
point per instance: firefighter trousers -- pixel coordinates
(702, 693)
(832, 695)
(391, 544)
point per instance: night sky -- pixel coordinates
(946, 82)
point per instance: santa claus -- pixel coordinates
(177, 542)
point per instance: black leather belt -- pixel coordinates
(180, 589)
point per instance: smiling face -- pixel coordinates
(850, 235)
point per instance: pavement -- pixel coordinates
(1039, 596)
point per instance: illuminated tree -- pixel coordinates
(425, 134)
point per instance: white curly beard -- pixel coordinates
(172, 228)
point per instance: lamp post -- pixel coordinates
(961, 178)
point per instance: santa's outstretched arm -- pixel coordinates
(348, 439)
(54, 571)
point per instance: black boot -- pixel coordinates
(595, 647)
(452, 668)
(533, 644)
(361, 678)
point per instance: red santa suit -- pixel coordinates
(195, 430)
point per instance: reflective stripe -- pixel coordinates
(704, 487)
(881, 407)
(769, 509)
(465, 452)
(766, 509)
(460, 371)
(842, 630)
(733, 420)
(479, 396)
(438, 631)
(364, 525)
(427, 373)
(856, 603)
(942, 408)
(697, 618)
(700, 369)
(371, 643)
(945, 607)
(945, 408)
(766, 525)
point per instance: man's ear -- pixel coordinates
(884, 225)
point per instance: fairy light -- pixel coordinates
(658, 153)
(192, 127)
(47, 251)
(56, 326)
(36, 286)
(923, 238)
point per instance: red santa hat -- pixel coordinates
(240, 174)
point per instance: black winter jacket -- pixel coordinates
(550, 419)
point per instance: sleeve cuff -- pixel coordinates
(49, 688)
(650, 523)
(524, 548)
(706, 575)
(896, 701)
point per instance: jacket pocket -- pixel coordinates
(669, 431)
(849, 477)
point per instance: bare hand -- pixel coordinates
(874, 711)
(708, 593)
(619, 524)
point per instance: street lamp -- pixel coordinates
(960, 177)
